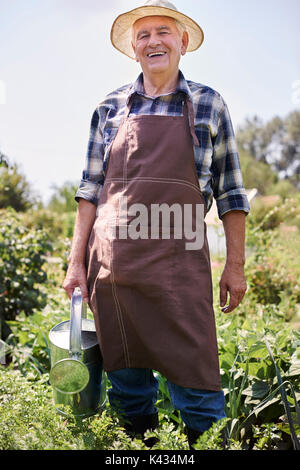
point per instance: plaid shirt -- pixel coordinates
(216, 156)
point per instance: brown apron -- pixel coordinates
(152, 298)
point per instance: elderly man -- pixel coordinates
(162, 141)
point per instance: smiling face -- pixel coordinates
(158, 44)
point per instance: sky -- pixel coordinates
(57, 63)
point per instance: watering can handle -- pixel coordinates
(75, 323)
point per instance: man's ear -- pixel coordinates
(184, 42)
(134, 50)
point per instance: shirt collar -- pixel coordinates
(182, 87)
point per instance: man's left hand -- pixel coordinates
(233, 281)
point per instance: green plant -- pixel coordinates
(249, 377)
(63, 199)
(29, 420)
(267, 436)
(272, 269)
(22, 259)
(15, 190)
(212, 439)
(169, 437)
(28, 343)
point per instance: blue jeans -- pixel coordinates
(134, 392)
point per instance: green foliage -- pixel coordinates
(267, 436)
(29, 420)
(214, 438)
(15, 191)
(168, 437)
(272, 266)
(3, 160)
(58, 225)
(261, 390)
(249, 378)
(44, 219)
(256, 174)
(29, 348)
(63, 199)
(269, 215)
(275, 142)
(22, 258)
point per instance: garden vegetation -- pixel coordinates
(259, 343)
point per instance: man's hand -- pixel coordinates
(76, 277)
(76, 274)
(233, 281)
(233, 277)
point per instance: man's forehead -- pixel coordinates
(153, 21)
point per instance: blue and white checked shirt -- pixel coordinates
(216, 157)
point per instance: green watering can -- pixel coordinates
(77, 375)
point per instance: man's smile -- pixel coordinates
(156, 54)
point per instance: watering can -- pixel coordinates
(76, 374)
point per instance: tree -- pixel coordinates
(63, 199)
(256, 174)
(3, 160)
(15, 191)
(276, 143)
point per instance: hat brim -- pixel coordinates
(121, 35)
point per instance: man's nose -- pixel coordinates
(154, 41)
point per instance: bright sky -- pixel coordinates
(57, 64)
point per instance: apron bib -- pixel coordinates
(152, 298)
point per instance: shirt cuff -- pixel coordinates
(89, 191)
(235, 200)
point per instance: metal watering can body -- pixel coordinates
(77, 375)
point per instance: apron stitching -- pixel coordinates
(125, 157)
(119, 311)
(160, 180)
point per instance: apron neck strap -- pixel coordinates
(191, 116)
(127, 108)
(192, 121)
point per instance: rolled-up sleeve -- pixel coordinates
(228, 188)
(92, 177)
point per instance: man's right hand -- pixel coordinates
(76, 274)
(76, 277)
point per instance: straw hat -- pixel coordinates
(121, 29)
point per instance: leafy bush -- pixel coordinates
(63, 200)
(22, 258)
(57, 224)
(258, 416)
(256, 174)
(248, 373)
(28, 343)
(248, 376)
(272, 267)
(264, 218)
(43, 219)
(15, 190)
(29, 420)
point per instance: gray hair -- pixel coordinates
(180, 26)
